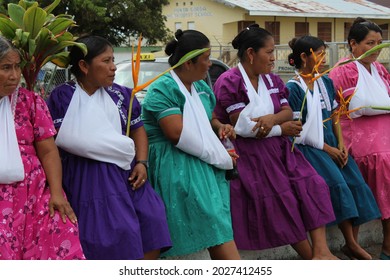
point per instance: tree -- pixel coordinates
(39, 35)
(116, 20)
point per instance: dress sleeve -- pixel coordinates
(58, 103)
(295, 98)
(283, 90)
(135, 120)
(231, 93)
(345, 78)
(41, 119)
(164, 99)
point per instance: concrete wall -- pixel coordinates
(370, 233)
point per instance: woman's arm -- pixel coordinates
(140, 173)
(265, 123)
(342, 154)
(48, 155)
(222, 130)
(172, 126)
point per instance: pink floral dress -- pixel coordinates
(26, 229)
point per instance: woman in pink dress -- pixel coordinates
(37, 221)
(367, 136)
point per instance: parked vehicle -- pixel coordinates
(150, 67)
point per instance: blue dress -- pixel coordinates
(351, 196)
(115, 221)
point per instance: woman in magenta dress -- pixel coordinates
(279, 197)
(105, 172)
(37, 221)
(367, 136)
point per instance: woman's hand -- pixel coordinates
(58, 202)
(226, 131)
(234, 156)
(344, 152)
(291, 128)
(138, 176)
(264, 125)
(337, 155)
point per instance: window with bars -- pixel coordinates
(347, 27)
(324, 31)
(301, 29)
(274, 28)
(242, 24)
(385, 31)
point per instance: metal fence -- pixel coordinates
(334, 52)
(51, 75)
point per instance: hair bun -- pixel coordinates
(178, 34)
(292, 43)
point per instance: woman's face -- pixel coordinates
(264, 58)
(371, 40)
(101, 70)
(311, 60)
(201, 66)
(10, 73)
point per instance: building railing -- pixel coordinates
(334, 52)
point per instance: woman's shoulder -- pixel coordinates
(345, 68)
(28, 95)
(163, 89)
(67, 88)
(120, 89)
(231, 75)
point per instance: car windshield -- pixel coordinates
(148, 70)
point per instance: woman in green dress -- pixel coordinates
(187, 160)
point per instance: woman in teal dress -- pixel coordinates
(187, 162)
(352, 199)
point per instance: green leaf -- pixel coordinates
(27, 4)
(16, 13)
(379, 108)
(373, 50)
(60, 47)
(33, 20)
(8, 28)
(190, 55)
(52, 6)
(43, 39)
(60, 59)
(59, 25)
(21, 38)
(32, 47)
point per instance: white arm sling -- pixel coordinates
(312, 133)
(92, 129)
(197, 137)
(370, 91)
(11, 164)
(260, 104)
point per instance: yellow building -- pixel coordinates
(221, 20)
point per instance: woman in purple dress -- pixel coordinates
(105, 172)
(279, 197)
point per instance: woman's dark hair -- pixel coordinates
(303, 45)
(95, 45)
(359, 30)
(253, 37)
(184, 42)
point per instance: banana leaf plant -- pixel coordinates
(39, 35)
